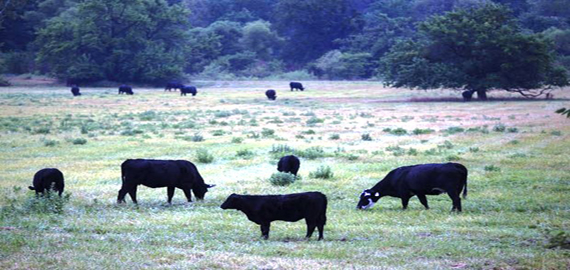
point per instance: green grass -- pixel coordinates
(516, 215)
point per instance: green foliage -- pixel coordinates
(79, 141)
(366, 137)
(334, 136)
(449, 55)
(245, 154)
(419, 131)
(282, 179)
(492, 168)
(46, 204)
(338, 65)
(322, 172)
(237, 140)
(564, 111)
(313, 152)
(134, 44)
(204, 156)
(260, 39)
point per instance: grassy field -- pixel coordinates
(517, 214)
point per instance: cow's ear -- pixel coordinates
(377, 194)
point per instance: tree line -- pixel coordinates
(516, 45)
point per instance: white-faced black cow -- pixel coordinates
(296, 85)
(419, 180)
(188, 90)
(173, 86)
(289, 164)
(271, 94)
(263, 209)
(75, 90)
(171, 174)
(44, 179)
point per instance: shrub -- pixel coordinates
(79, 141)
(42, 130)
(492, 168)
(237, 140)
(499, 128)
(308, 132)
(282, 179)
(267, 132)
(50, 143)
(218, 132)
(197, 138)
(446, 145)
(334, 137)
(419, 131)
(47, 204)
(453, 130)
(245, 154)
(453, 158)
(312, 152)
(398, 132)
(204, 156)
(322, 172)
(281, 149)
(366, 137)
(512, 130)
(314, 120)
(556, 133)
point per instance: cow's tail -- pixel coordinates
(31, 188)
(323, 217)
(465, 185)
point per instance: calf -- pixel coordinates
(44, 179)
(188, 90)
(75, 90)
(263, 209)
(289, 164)
(296, 85)
(125, 89)
(419, 180)
(271, 94)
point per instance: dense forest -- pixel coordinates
(412, 43)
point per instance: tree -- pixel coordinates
(477, 50)
(131, 40)
(258, 38)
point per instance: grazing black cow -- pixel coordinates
(420, 180)
(467, 95)
(263, 209)
(125, 89)
(172, 174)
(289, 164)
(44, 179)
(173, 86)
(271, 94)
(296, 85)
(188, 90)
(75, 90)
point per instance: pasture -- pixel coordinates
(516, 215)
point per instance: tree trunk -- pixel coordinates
(482, 94)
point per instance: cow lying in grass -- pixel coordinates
(263, 209)
(419, 180)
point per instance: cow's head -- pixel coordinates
(201, 190)
(367, 199)
(231, 202)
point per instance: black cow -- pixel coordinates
(172, 174)
(263, 209)
(296, 85)
(44, 179)
(289, 164)
(420, 180)
(271, 94)
(188, 90)
(125, 89)
(173, 86)
(467, 95)
(75, 90)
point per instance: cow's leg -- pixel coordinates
(456, 201)
(423, 200)
(122, 193)
(321, 227)
(170, 191)
(133, 194)
(405, 200)
(188, 194)
(311, 225)
(265, 230)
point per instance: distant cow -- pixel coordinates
(125, 89)
(188, 90)
(296, 85)
(46, 179)
(289, 164)
(271, 94)
(419, 180)
(75, 91)
(171, 174)
(173, 86)
(263, 209)
(467, 95)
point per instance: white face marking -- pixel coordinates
(377, 194)
(366, 194)
(370, 204)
